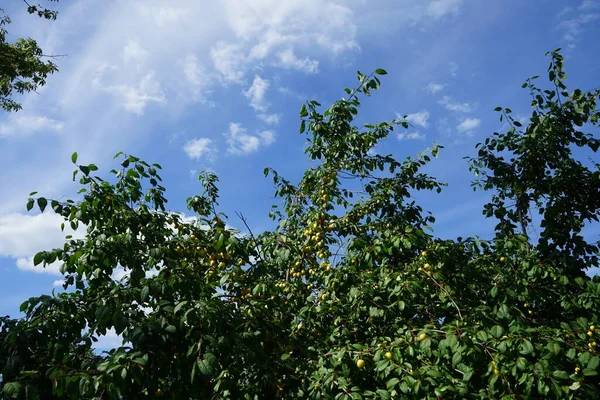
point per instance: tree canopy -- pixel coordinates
(23, 65)
(351, 296)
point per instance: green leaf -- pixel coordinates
(74, 158)
(560, 374)
(392, 383)
(144, 293)
(593, 363)
(589, 372)
(206, 366)
(12, 390)
(303, 111)
(553, 347)
(497, 331)
(285, 356)
(380, 71)
(39, 257)
(42, 203)
(526, 347)
(30, 204)
(171, 328)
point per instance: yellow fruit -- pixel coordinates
(388, 355)
(424, 253)
(328, 268)
(360, 364)
(530, 312)
(300, 326)
(592, 328)
(577, 370)
(323, 297)
(496, 372)
(422, 336)
(426, 266)
(590, 333)
(502, 259)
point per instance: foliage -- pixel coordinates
(23, 67)
(348, 297)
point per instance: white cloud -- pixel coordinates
(199, 148)
(433, 87)
(26, 264)
(454, 106)
(22, 236)
(574, 27)
(240, 142)
(453, 68)
(164, 16)
(58, 282)
(440, 8)
(196, 77)
(589, 5)
(268, 137)
(467, 125)
(229, 61)
(410, 136)
(256, 94)
(133, 52)
(274, 23)
(288, 59)
(270, 119)
(419, 118)
(20, 125)
(135, 99)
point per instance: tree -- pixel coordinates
(348, 297)
(23, 65)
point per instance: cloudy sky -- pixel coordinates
(195, 84)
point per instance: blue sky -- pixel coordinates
(197, 84)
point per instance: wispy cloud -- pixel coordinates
(288, 59)
(256, 94)
(270, 119)
(420, 118)
(434, 87)
(440, 8)
(467, 125)
(239, 142)
(200, 148)
(452, 105)
(22, 125)
(410, 136)
(589, 5)
(574, 25)
(136, 98)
